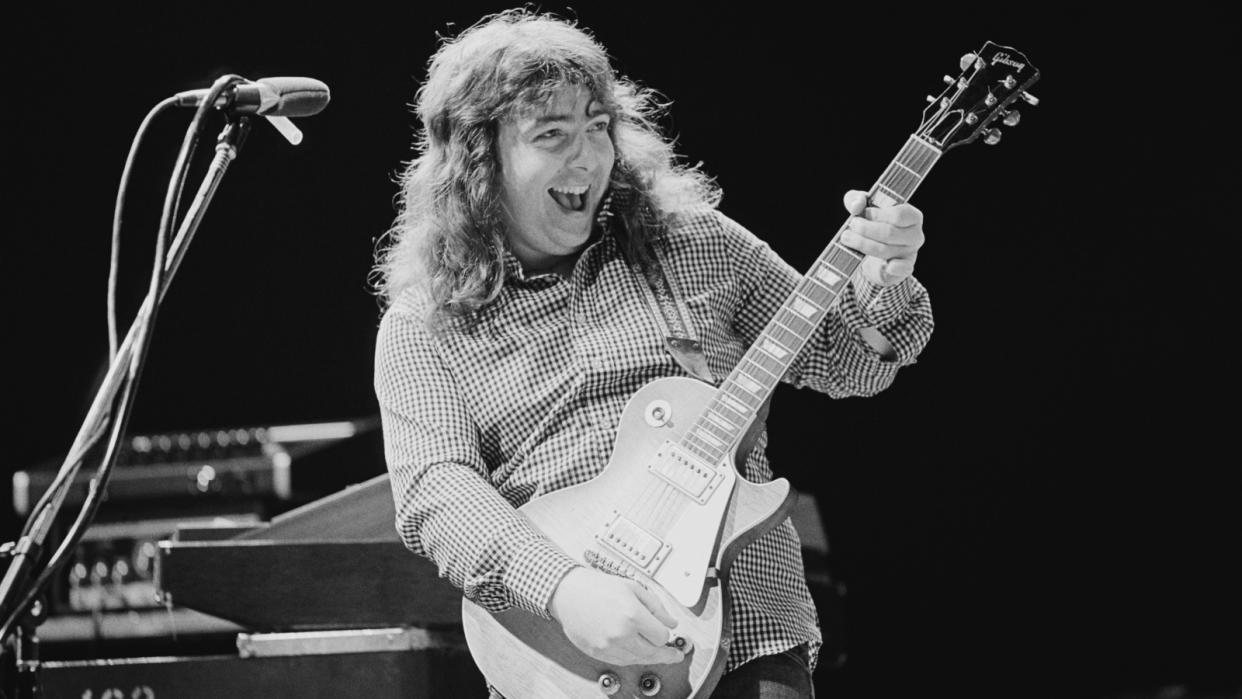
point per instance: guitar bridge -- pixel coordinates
(636, 545)
(608, 564)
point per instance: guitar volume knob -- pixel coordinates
(649, 685)
(609, 683)
(658, 413)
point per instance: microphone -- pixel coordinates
(272, 97)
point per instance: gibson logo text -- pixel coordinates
(1004, 58)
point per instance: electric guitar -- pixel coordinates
(670, 509)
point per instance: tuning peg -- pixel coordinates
(1029, 98)
(949, 79)
(1011, 118)
(930, 99)
(993, 137)
(966, 60)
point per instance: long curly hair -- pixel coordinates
(449, 236)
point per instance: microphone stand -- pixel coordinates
(25, 551)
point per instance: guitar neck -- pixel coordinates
(744, 392)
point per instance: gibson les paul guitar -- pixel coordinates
(670, 509)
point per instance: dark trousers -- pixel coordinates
(786, 675)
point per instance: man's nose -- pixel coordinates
(581, 154)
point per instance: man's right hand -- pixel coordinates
(613, 619)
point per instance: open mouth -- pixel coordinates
(570, 198)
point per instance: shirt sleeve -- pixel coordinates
(447, 510)
(836, 359)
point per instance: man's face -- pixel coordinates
(555, 164)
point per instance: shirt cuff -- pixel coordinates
(877, 305)
(534, 573)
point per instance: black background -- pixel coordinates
(1044, 505)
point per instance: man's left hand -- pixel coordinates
(889, 236)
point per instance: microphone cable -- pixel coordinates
(142, 338)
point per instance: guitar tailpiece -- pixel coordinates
(610, 565)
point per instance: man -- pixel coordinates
(516, 330)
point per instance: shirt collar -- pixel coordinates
(602, 229)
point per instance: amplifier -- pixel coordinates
(246, 462)
(374, 663)
(113, 566)
(208, 478)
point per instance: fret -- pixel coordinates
(899, 182)
(742, 396)
(735, 423)
(704, 454)
(884, 198)
(912, 172)
(770, 365)
(910, 146)
(820, 291)
(747, 383)
(815, 292)
(926, 158)
(734, 405)
(843, 259)
(719, 420)
(918, 156)
(892, 194)
(756, 360)
(715, 431)
(804, 308)
(802, 334)
(783, 336)
(773, 348)
(831, 278)
(906, 149)
(709, 439)
(912, 165)
(927, 154)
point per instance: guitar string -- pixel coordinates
(661, 503)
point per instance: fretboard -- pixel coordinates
(741, 395)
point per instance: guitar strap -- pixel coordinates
(673, 316)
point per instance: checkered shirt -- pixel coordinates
(477, 422)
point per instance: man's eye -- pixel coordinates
(598, 126)
(549, 134)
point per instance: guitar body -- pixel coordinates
(527, 657)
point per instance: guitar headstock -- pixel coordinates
(992, 79)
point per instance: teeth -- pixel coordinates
(580, 189)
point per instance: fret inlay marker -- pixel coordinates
(827, 276)
(748, 383)
(774, 349)
(804, 309)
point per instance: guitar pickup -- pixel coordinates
(695, 478)
(637, 545)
